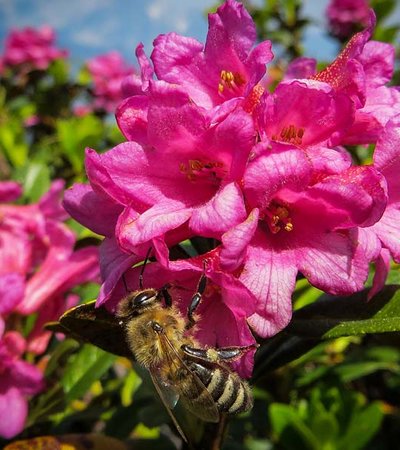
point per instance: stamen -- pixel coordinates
(229, 80)
(195, 168)
(278, 217)
(291, 135)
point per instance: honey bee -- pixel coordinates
(159, 337)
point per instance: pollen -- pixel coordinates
(196, 168)
(278, 218)
(229, 80)
(253, 99)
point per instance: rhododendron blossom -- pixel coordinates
(38, 264)
(108, 71)
(18, 380)
(33, 48)
(345, 16)
(211, 154)
(300, 224)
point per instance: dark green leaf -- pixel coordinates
(84, 369)
(333, 317)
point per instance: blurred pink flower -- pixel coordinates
(38, 264)
(345, 17)
(31, 47)
(108, 71)
(9, 191)
(18, 380)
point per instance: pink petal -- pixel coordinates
(387, 229)
(330, 262)
(27, 377)
(301, 67)
(132, 118)
(315, 110)
(134, 229)
(9, 191)
(236, 240)
(225, 210)
(271, 277)
(114, 262)
(377, 59)
(95, 211)
(274, 169)
(13, 412)
(382, 267)
(358, 195)
(12, 287)
(50, 204)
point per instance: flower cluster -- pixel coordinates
(108, 71)
(264, 175)
(38, 268)
(345, 16)
(31, 48)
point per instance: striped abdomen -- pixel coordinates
(232, 394)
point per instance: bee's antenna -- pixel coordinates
(143, 267)
(124, 281)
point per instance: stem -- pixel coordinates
(213, 436)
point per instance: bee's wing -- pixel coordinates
(94, 325)
(190, 388)
(168, 400)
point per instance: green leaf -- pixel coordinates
(36, 181)
(84, 369)
(362, 427)
(59, 70)
(290, 429)
(333, 317)
(75, 134)
(383, 8)
(327, 318)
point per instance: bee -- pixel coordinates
(159, 338)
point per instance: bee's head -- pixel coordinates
(137, 302)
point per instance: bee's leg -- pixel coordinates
(194, 303)
(217, 354)
(167, 296)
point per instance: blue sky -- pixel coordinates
(90, 27)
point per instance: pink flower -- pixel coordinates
(186, 174)
(223, 309)
(9, 191)
(298, 224)
(108, 71)
(386, 230)
(345, 16)
(304, 112)
(38, 264)
(226, 67)
(31, 47)
(362, 71)
(18, 380)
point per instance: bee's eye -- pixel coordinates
(143, 298)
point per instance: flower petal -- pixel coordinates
(271, 277)
(225, 210)
(13, 412)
